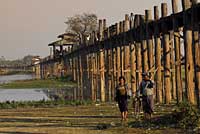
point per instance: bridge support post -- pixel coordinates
(126, 50)
(166, 54)
(179, 87)
(149, 38)
(133, 60)
(102, 65)
(197, 52)
(189, 64)
(137, 20)
(158, 66)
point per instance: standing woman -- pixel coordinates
(146, 89)
(122, 97)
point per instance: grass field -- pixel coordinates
(47, 83)
(88, 119)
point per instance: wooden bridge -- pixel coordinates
(139, 44)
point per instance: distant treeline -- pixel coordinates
(19, 62)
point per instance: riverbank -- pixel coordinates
(2, 73)
(84, 119)
(35, 83)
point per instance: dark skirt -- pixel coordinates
(147, 103)
(123, 104)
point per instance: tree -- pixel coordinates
(27, 59)
(19, 62)
(2, 58)
(82, 25)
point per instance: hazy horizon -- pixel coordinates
(28, 26)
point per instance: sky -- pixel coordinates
(28, 26)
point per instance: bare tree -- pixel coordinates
(82, 24)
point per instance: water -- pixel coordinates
(29, 94)
(9, 78)
(20, 94)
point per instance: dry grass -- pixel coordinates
(92, 119)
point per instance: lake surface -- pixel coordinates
(22, 95)
(9, 78)
(28, 94)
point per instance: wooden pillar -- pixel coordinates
(96, 70)
(98, 80)
(158, 78)
(173, 78)
(106, 67)
(92, 69)
(197, 52)
(78, 77)
(148, 18)
(137, 20)
(126, 51)
(74, 69)
(93, 75)
(145, 66)
(189, 64)
(109, 64)
(118, 54)
(179, 87)
(96, 89)
(166, 54)
(114, 68)
(122, 48)
(92, 78)
(86, 93)
(90, 81)
(101, 64)
(112, 58)
(133, 60)
(106, 60)
(81, 76)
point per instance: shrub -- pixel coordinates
(188, 116)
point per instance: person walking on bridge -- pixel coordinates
(122, 95)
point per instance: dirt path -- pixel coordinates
(93, 119)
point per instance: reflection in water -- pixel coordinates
(56, 94)
(22, 95)
(34, 94)
(31, 94)
(9, 78)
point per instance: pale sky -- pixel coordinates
(28, 26)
